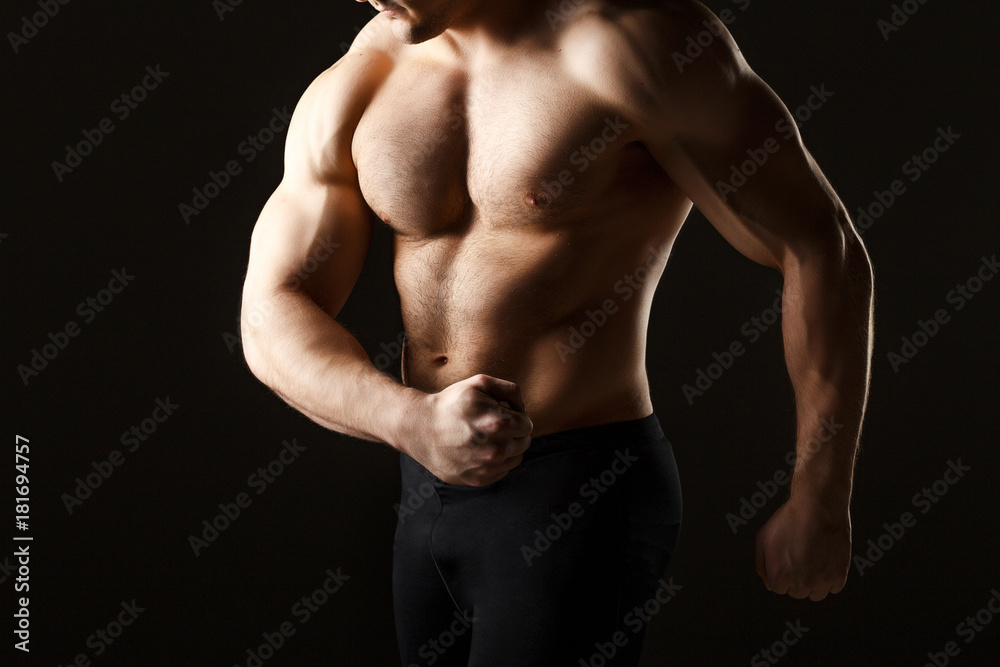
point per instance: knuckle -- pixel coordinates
(491, 422)
(494, 454)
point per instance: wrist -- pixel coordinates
(824, 474)
(405, 412)
(830, 499)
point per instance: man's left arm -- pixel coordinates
(731, 145)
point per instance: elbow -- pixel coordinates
(250, 333)
(858, 267)
(253, 358)
(251, 353)
(829, 245)
(856, 260)
(851, 264)
(834, 263)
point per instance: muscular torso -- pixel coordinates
(520, 199)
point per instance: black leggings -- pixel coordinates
(559, 563)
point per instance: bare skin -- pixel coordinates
(532, 175)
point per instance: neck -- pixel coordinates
(485, 25)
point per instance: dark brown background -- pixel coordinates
(165, 335)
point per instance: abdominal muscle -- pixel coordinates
(563, 315)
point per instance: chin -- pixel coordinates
(402, 32)
(409, 33)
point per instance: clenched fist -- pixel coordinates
(472, 432)
(804, 550)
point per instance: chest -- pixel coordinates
(438, 149)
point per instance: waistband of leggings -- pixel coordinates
(598, 436)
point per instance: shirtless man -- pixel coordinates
(528, 156)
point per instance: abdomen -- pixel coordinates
(561, 312)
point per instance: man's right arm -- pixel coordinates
(306, 253)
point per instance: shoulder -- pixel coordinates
(649, 57)
(323, 123)
(352, 78)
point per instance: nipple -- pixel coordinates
(537, 200)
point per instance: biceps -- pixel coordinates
(313, 239)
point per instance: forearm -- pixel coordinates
(320, 369)
(827, 328)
